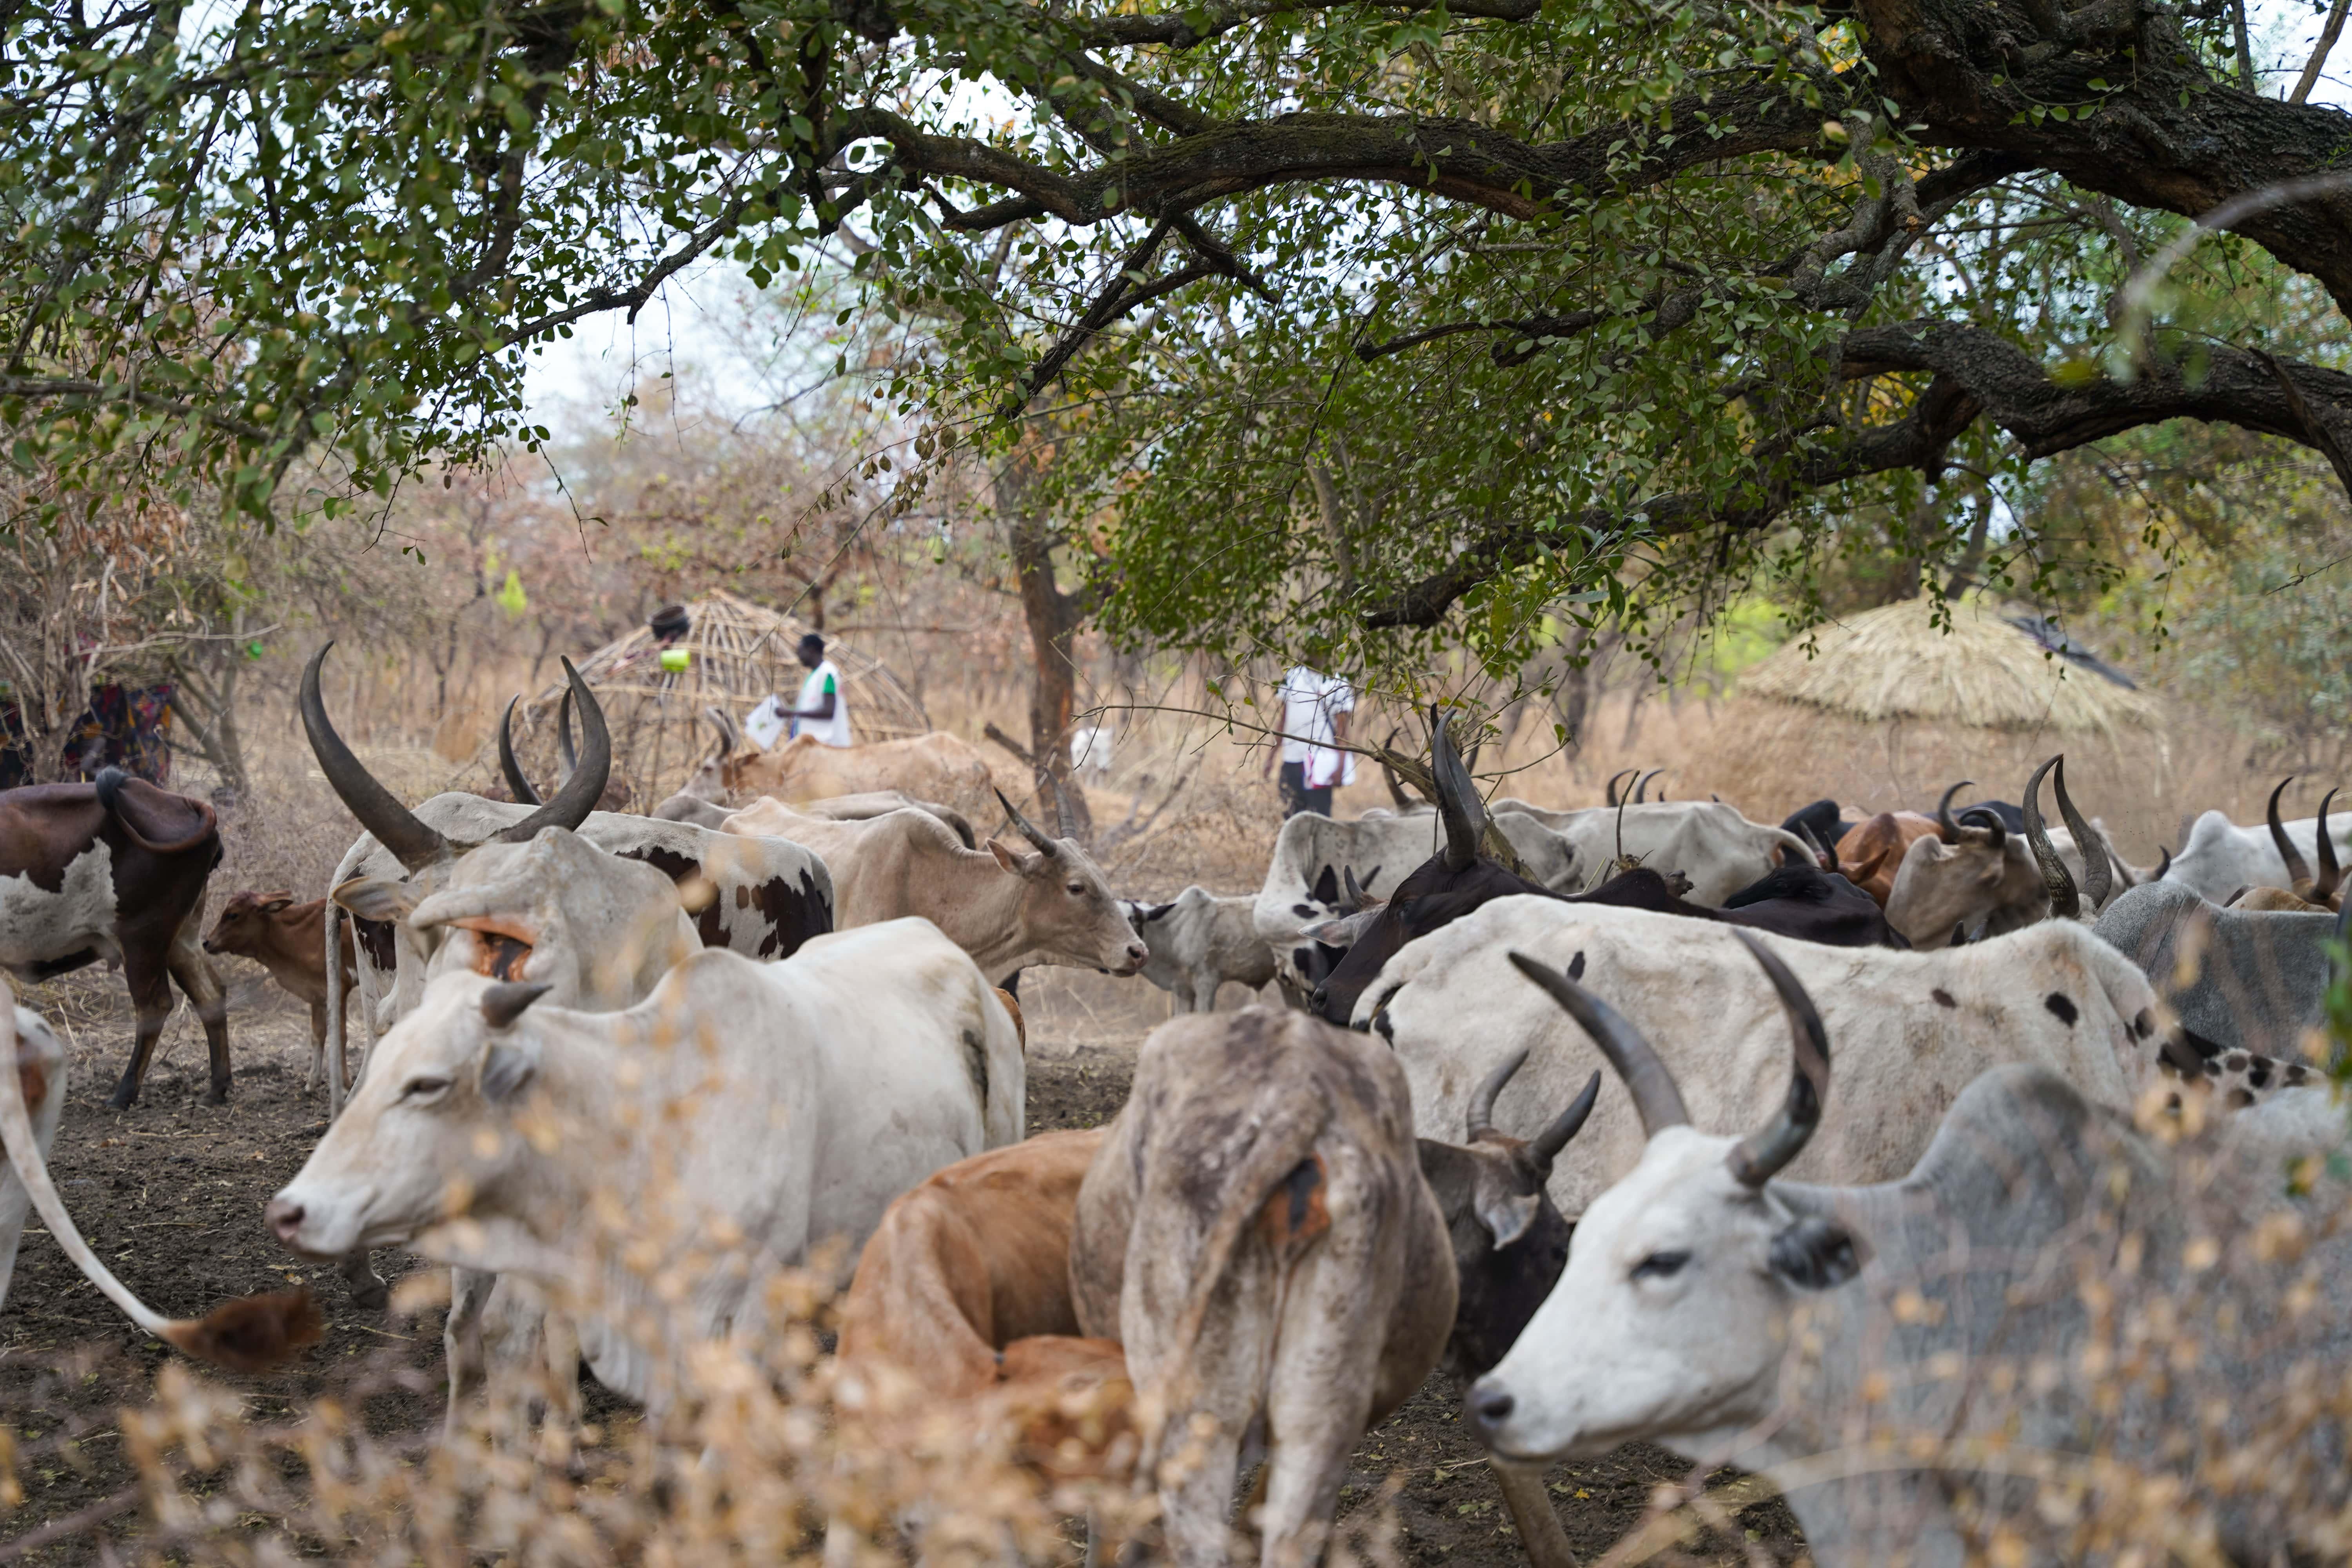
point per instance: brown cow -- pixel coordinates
(1257, 1233)
(288, 940)
(115, 870)
(964, 1291)
(1871, 853)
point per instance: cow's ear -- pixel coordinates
(1158, 911)
(1816, 1253)
(1018, 864)
(387, 899)
(506, 1069)
(1506, 1215)
(278, 901)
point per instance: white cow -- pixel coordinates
(749, 1110)
(1199, 940)
(1711, 843)
(40, 1074)
(1006, 907)
(2051, 1333)
(2220, 856)
(1914, 1028)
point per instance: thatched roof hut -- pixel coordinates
(1890, 708)
(739, 653)
(1993, 669)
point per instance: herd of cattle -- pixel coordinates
(781, 1008)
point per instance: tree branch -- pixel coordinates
(1973, 373)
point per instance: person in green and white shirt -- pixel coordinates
(821, 710)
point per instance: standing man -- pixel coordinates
(1315, 710)
(821, 711)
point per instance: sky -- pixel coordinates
(696, 327)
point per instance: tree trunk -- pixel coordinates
(1054, 618)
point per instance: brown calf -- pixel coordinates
(288, 940)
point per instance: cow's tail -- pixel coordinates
(252, 1333)
(109, 795)
(1279, 1183)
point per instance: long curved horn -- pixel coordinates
(2163, 863)
(584, 785)
(2299, 869)
(563, 752)
(1642, 786)
(1062, 817)
(1546, 1145)
(1991, 820)
(2097, 883)
(395, 828)
(2064, 902)
(1824, 859)
(1655, 1098)
(726, 728)
(1354, 891)
(1609, 796)
(2330, 874)
(1458, 798)
(1945, 828)
(1481, 1119)
(1027, 829)
(1766, 1153)
(517, 784)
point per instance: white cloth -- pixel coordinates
(766, 723)
(832, 732)
(1310, 702)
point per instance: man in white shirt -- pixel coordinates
(1315, 712)
(821, 710)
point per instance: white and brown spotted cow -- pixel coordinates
(115, 870)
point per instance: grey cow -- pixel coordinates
(1199, 940)
(2260, 980)
(1257, 1233)
(2050, 1323)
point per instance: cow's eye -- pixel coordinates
(423, 1089)
(1077, 890)
(1661, 1266)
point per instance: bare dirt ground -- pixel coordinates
(170, 1193)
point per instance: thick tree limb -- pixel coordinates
(2171, 138)
(1974, 374)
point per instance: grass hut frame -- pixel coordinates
(740, 653)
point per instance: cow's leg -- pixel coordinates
(367, 1287)
(195, 972)
(1316, 1424)
(461, 1335)
(150, 985)
(318, 1047)
(1204, 993)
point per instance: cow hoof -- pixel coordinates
(122, 1098)
(216, 1095)
(372, 1294)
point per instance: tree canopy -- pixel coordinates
(1349, 324)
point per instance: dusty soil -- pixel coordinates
(170, 1193)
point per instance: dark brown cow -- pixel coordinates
(290, 940)
(115, 870)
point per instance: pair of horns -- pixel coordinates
(1458, 804)
(1546, 1145)
(1763, 1153)
(1641, 787)
(1027, 829)
(517, 784)
(2099, 875)
(1825, 857)
(2316, 889)
(415, 844)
